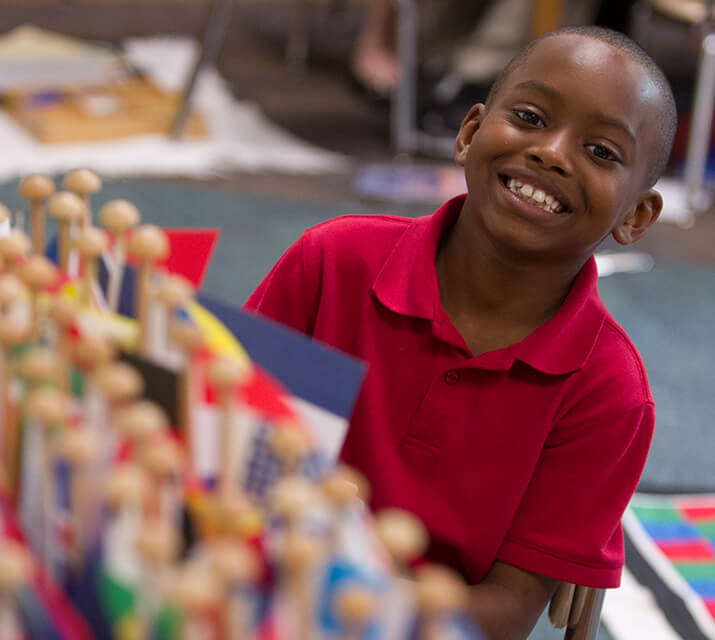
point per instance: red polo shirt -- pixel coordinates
(527, 454)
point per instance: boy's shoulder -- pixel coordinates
(350, 239)
(615, 362)
(356, 228)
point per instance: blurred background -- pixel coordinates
(263, 117)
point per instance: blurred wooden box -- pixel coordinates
(132, 108)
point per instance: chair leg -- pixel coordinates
(561, 605)
(587, 626)
(578, 604)
(403, 123)
(219, 17)
(700, 124)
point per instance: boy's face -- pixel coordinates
(560, 158)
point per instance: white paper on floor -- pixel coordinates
(631, 613)
(240, 138)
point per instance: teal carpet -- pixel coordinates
(669, 312)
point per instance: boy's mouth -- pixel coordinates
(534, 195)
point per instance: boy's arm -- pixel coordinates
(509, 601)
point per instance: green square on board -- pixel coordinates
(696, 570)
(657, 514)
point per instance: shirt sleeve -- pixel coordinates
(290, 291)
(568, 524)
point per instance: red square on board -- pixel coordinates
(693, 550)
(710, 605)
(699, 512)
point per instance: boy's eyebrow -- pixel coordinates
(539, 86)
(554, 94)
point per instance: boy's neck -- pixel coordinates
(484, 282)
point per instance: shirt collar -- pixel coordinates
(407, 285)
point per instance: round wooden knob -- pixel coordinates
(149, 243)
(292, 496)
(124, 484)
(40, 364)
(79, 445)
(65, 206)
(163, 457)
(158, 544)
(289, 443)
(82, 182)
(344, 485)
(235, 562)
(186, 335)
(91, 351)
(38, 272)
(119, 381)
(354, 605)
(118, 215)
(15, 566)
(439, 590)
(300, 552)
(91, 242)
(14, 245)
(239, 516)
(12, 288)
(402, 534)
(36, 188)
(226, 373)
(141, 420)
(11, 334)
(48, 405)
(63, 311)
(195, 590)
(175, 291)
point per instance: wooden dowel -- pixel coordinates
(225, 374)
(83, 183)
(148, 244)
(38, 273)
(67, 209)
(117, 216)
(90, 243)
(36, 189)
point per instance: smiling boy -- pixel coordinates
(503, 404)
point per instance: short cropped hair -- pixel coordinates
(667, 117)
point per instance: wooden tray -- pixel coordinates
(132, 108)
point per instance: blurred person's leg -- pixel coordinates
(374, 61)
(442, 23)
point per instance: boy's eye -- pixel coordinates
(604, 153)
(528, 116)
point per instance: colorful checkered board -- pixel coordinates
(676, 534)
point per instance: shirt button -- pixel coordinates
(451, 377)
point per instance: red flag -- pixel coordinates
(189, 253)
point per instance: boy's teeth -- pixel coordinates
(536, 196)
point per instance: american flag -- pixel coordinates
(263, 468)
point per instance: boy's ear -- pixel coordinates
(642, 216)
(469, 127)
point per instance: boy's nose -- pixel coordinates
(552, 152)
